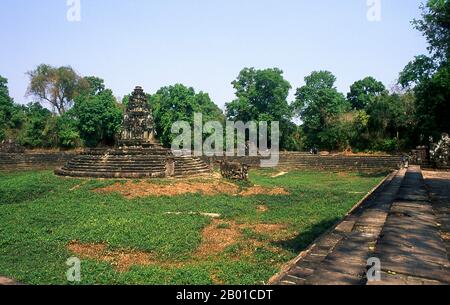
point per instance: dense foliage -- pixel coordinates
(261, 95)
(180, 103)
(429, 77)
(370, 118)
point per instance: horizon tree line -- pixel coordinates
(368, 118)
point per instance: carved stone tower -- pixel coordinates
(137, 126)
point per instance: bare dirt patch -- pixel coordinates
(269, 229)
(218, 236)
(221, 234)
(121, 259)
(259, 190)
(262, 208)
(132, 189)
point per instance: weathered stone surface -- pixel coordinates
(340, 256)
(234, 170)
(298, 160)
(401, 279)
(399, 225)
(137, 124)
(138, 155)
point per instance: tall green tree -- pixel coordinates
(98, 118)
(419, 70)
(57, 86)
(94, 85)
(38, 127)
(435, 26)
(433, 104)
(179, 103)
(318, 103)
(261, 95)
(430, 76)
(6, 107)
(364, 91)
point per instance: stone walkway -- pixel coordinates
(397, 224)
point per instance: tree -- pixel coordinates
(433, 108)
(419, 70)
(98, 118)
(67, 128)
(96, 85)
(435, 25)
(37, 129)
(180, 103)
(431, 76)
(261, 95)
(318, 103)
(6, 107)
(57, 86)
(363, 91)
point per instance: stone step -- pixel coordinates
(340, 255)
(118, 175)
(118, 163)
(113, 168)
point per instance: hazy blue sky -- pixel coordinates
(205, 43)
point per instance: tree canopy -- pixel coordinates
(261, 95)
(318, 103)
(97, 114)
(6, 107)
(430, 76)
(179, 103)
(435, 26)
(58, 86)
(364, 91)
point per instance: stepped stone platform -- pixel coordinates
(133, 163)
(398, 224)
(137, 155)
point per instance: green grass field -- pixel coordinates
(41, 214)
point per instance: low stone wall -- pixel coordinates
(332, 162)
(34, 160)
(51, 160)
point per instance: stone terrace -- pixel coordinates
(397, 224)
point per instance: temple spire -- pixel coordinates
(137, 125)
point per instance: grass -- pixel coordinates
(40, 214)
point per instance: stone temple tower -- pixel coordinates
(138, 155)
(137, 125)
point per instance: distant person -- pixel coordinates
(405, 161)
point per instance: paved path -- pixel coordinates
(397, 224)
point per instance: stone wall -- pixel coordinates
(34, 160)
(316, 162)
(51, 160)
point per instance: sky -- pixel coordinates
(205, 43)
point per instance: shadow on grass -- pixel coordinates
(305, 238)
